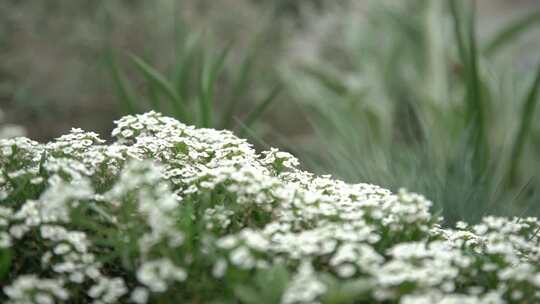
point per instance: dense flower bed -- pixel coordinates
(168, 213)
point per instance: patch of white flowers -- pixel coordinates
(169, 213)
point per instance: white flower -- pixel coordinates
(139, 295)
(156, 274)
(219, 269)
(305, 287)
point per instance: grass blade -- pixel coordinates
(160, 82)
(261, 107)
(154, 97)
(326, 79)
(475, 118)
(454, 10)
(123, 88)
(208, 80)
(239, 89)
(527, 115)
(186, 59)
(510, 32)
(5, 262)
(477, 100)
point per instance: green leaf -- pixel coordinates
(161, 83)
(341, 292)
(5, 262)
(325, 78)
(267, 287)
(211, 70)
(187, 56)
(257, 112)
(247, 294)
(272, 283)
(154, 97)
(456, 18)
(527, 115)
(474, 99)
(123, 87)
(240, 87)
(510, 32)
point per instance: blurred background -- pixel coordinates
(436, 96)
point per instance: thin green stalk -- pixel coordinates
(209, 76)
(457, 30)
(125, 91)
(476, 101)
(238, 90)
(260, 108)
(527, 115)
(185, 59)
(510, 32)
(160, 82)
(123, 88)
(475, 118)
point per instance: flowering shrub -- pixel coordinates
(168, 213)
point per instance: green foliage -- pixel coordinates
(525, 126)
(346, 292)
(5, 262)
(475, 102)
(421, 106)
(188, 90)
(510, 32)
(268, 286)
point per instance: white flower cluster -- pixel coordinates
(304, 288)
(30, 289)
(170, 213)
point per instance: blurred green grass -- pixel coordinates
(189, 89)
(426, 109)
